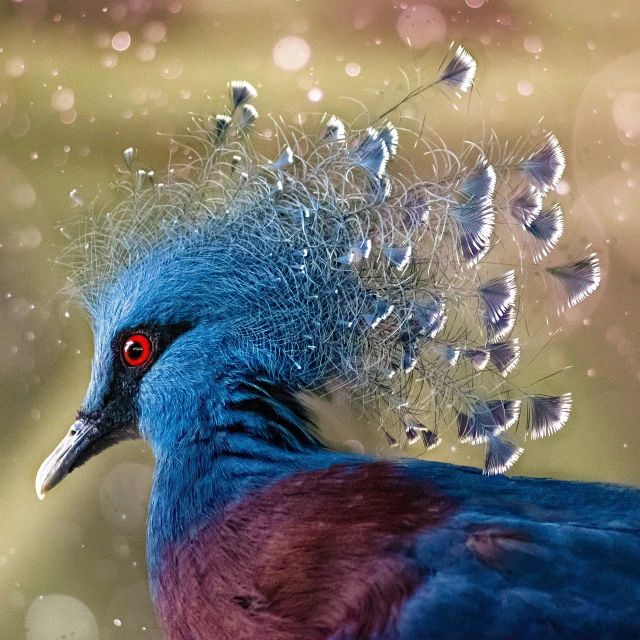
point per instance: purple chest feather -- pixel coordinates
(320, 554)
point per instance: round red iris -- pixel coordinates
(137, 350)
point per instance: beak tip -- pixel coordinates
(40, 485)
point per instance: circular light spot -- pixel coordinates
(354, 446)
(109, 61)
(475, 4)
(121, 41)
(626, 113)
(155, 32)
(24, 239)
(62, 99)
(525, 88)
(22, 196)
(103, 40)
(68, 117)
(352, 69)
(55, 617)
(172, 69)
(14, 67)
(315, 94)
(146, 52)
(20, 125)
(421, 25)
(291, 53)
(533, 44)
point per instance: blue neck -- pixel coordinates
(198, 479)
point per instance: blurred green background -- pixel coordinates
(80, 81)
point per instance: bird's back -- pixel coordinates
(410, 550)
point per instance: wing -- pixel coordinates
(404, 550)
(528, 558)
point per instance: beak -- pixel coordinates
(86, 438)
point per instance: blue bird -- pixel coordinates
(219, 295)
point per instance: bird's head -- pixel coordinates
(241, 280)
(182, 331)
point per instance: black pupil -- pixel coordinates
(135, 350)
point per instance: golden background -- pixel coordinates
(80, 81)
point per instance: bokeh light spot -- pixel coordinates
(352, 69)
(62, 99)
(525, 88)
(315, 94)
(533, 44)
(56, 617)
(121, 41)
(421, 25)
(291, 53)
(14, 67)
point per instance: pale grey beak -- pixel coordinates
(87, 437)
(59, 463)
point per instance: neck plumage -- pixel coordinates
(265, 435)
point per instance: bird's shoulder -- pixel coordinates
(401, 549)
(319, 553)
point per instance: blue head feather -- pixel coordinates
(265, 263)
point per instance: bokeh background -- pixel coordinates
(82, 80)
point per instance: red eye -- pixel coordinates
(137, 350)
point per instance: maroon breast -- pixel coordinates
(320, 554)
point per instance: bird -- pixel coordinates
(223, 292)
